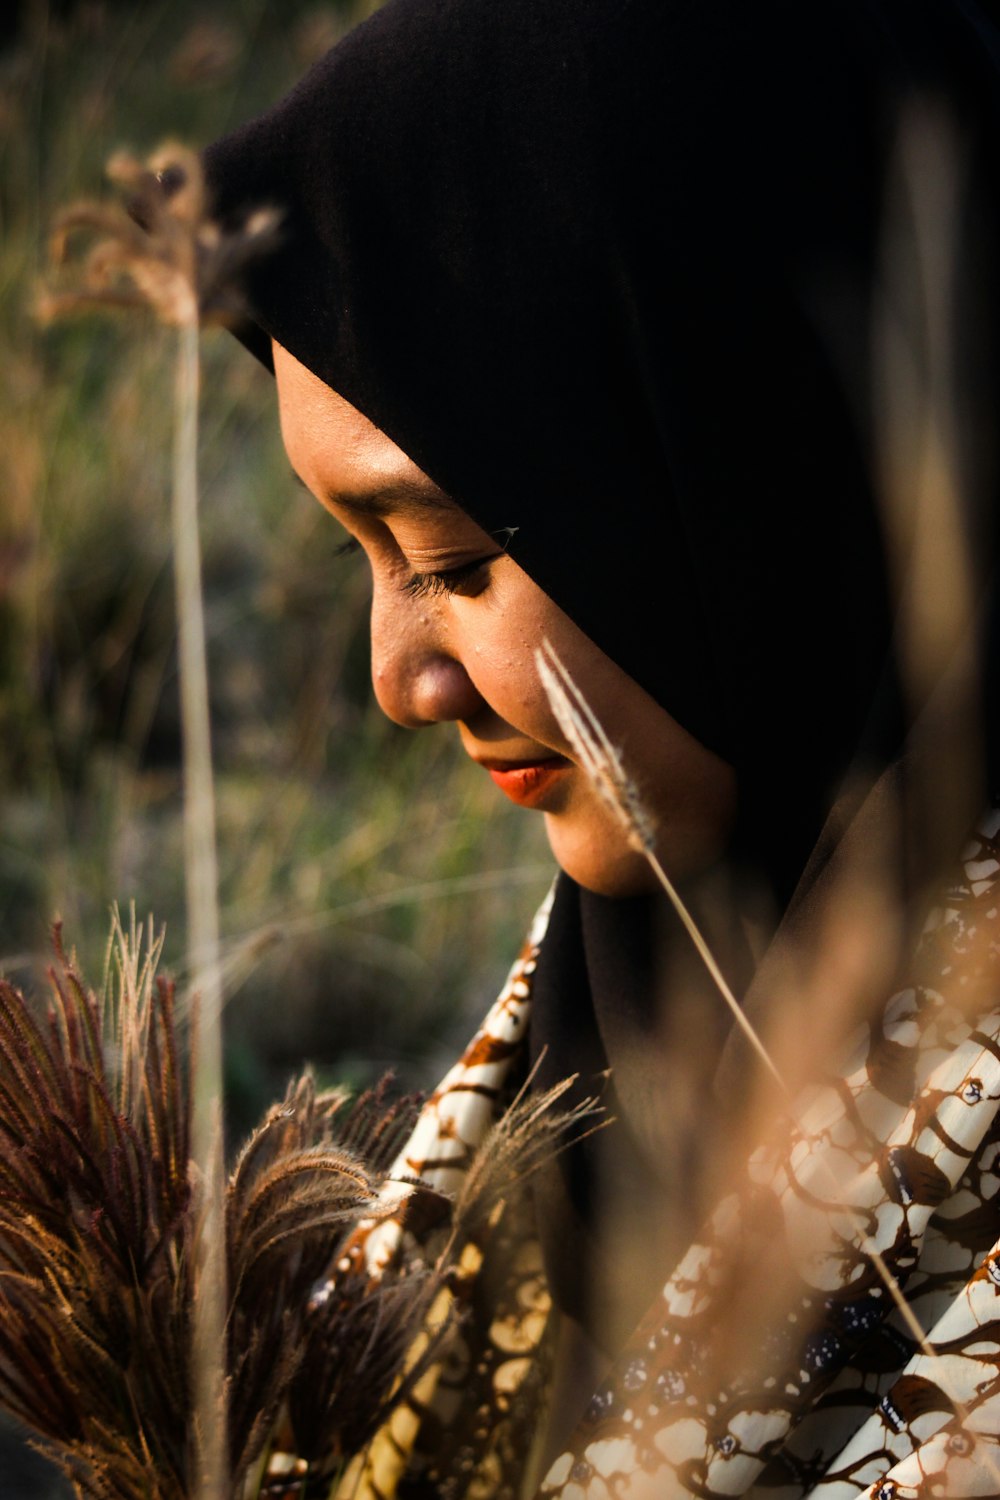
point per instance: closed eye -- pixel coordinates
(469, 579)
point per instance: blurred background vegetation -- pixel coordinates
(375, 885)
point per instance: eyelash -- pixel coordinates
(423, 585)
(449, 581)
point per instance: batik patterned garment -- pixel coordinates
(470, 1418)
(776, 1361)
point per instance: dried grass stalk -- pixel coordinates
(162, 250)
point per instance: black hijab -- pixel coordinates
(608, 270)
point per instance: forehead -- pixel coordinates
(339, 453)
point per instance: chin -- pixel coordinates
(599, 860)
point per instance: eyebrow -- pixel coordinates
(401, 497)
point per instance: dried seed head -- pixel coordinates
(158, 248)
(597, 755)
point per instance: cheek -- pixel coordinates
(513, 692)
(500, 660)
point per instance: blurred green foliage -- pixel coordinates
(374, 885)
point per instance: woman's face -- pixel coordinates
(454, 626)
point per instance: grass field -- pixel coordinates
(373, 883)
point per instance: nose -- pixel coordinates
(418, 680)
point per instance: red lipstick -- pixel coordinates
(527, 783)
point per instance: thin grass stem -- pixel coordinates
(201, 888)
(603, 764)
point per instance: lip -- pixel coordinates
(529, 783)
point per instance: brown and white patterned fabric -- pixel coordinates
(469, 1420)
(775, 1361)
(775, 1339)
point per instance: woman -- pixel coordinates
(663, 331)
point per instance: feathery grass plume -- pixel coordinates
(102, 1211)
(96, 1227)
(407, 1319)
(99, 1222)
(598, 756)
(530, 1132)
(331, 1356)
(161, 249)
